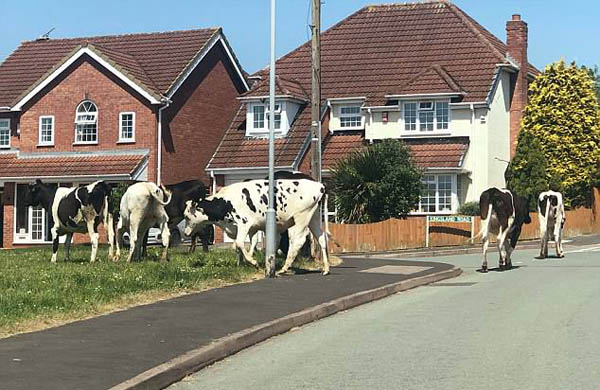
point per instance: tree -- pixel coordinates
(376, 183)
(595, 75)
(527, 171)
(563, 114)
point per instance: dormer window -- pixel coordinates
(426, 116)
(86, 120)
(350, 117)
(257, 117)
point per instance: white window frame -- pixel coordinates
(83, 122)
(453, 194)
(121, 138)
(41, 142)
(26, 238)
(418, 110)
(5, 128)
(280, 110)
(351, 115)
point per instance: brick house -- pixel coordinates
(426, 73)
(129, 107)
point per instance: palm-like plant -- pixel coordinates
(376, 183)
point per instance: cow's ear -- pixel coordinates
(83, 195)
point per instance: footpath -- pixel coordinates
(152, 346)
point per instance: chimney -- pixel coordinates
(516, 44)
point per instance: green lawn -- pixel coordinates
(35, 293)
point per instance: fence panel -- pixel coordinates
(394, 234)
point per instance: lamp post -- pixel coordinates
(270, 228)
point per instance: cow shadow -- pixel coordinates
(498, 269)
(549, 257)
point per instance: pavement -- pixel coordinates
(152, 346)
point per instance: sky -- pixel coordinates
(557, 29)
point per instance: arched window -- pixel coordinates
(86, 123)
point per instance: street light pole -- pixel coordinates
(270, 228)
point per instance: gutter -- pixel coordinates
(166, 102)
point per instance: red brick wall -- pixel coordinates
(201, 112)
(516, 42)
(87, 80)
(8, 204)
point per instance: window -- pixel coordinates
(4, 133)
(350, 116)
(46, 130)
(410, 116)
(277, 124)
(127, 127)
(259, 116)
(86, 123)
(32, 224)
(441, 115)
(426, 116)
(437, 194)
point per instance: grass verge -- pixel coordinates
(36, 294)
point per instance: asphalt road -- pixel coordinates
(534, 327)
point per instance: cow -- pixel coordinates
(142, 207)
(503, 214)
(551, 213)
(74, 210)
(242, 207)
(193, 190)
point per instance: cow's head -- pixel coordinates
(37, 194)
(198, 214)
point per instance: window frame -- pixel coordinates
(437, 126)
(7, 146)
(41, 142)
(83, 122)
(126, 140)
(453, 194)
(281, 118)
(343, 116)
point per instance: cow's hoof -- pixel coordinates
(484, 269)
(325, 273)
(501, 267)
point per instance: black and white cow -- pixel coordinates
(243, 207)
(74, 210)
(193, 190)
(142, 207)
(503, 214)
(551, 213)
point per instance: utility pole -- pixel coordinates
(315, 145)
(270, 228)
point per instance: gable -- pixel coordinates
(153, 64)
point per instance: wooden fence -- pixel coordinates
(410, 233)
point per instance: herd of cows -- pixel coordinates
(240, 210)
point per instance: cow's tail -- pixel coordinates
(484, 226)
(159, 194)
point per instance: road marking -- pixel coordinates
(397, 269)
(583, 250)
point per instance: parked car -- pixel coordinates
(155, 236)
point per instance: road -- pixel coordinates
(534, 327)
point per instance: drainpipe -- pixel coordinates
(166, 102)
(330, 115)
(214, 182)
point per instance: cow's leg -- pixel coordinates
(193, 243)
(297, 236)
(144, 245)
(133, 237)
(486, 244)
(166, 237)
(68, 241)
(512, 244)
(543, 238)
(118, 239)
(240, 245)
(110, 232)
(93, 233)
(321, 236)
(558, 232)
(54, 232)
(501, 250)
(253, 240)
